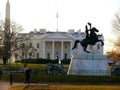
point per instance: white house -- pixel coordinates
(45, 44)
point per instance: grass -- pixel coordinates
(32, 66)
(20, 65)
(64, 79)
(65, 87)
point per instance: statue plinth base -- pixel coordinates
(88, 64)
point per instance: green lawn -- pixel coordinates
(20, 65)
(32, 66)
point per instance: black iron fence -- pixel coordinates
(67, 79)
(37, 76)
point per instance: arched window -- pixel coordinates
(30, 45)
(23, 45)
(65, 55)
(48, 55)
(37, 55)
(30, 55)
(37, 45)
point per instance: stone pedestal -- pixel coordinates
(88, 64)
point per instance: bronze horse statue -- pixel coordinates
(90, 39)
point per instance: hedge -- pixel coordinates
(44, 61)
(65, 79)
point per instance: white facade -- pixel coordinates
(51, 44)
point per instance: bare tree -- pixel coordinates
(116, 23)
(115, 53)
(8, 38)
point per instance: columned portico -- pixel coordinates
(57, 45)
(53, 50)
(43, 49)
(71, 49)
(62, 50)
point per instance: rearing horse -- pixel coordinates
(93, 38)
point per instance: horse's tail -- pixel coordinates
(75, 44)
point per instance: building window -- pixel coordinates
(30, 45)
(98, 46)
(30, 55)
(65, 45)
(48, 55)
(16, 45)
(23, 45)
(23, 54)
(65, 56)
(37, 45)
(37, 55)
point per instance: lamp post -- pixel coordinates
(59, 62)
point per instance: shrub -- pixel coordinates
(44, 61)
(67, 79)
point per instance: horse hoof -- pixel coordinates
(102, 45)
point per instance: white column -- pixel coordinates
(71, 49)
(53, 50)
(62, 49)
(43, 49)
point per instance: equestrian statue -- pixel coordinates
(90, 38)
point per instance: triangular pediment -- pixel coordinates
(58, 36)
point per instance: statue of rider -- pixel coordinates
(87, 34)
(91, 36)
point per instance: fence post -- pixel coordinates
(0, 74)
(11, 81)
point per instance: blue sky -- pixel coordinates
(72, 14)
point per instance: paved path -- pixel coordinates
(4, 85)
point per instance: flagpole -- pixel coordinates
(57, 22)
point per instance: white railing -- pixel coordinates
(89, 72)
